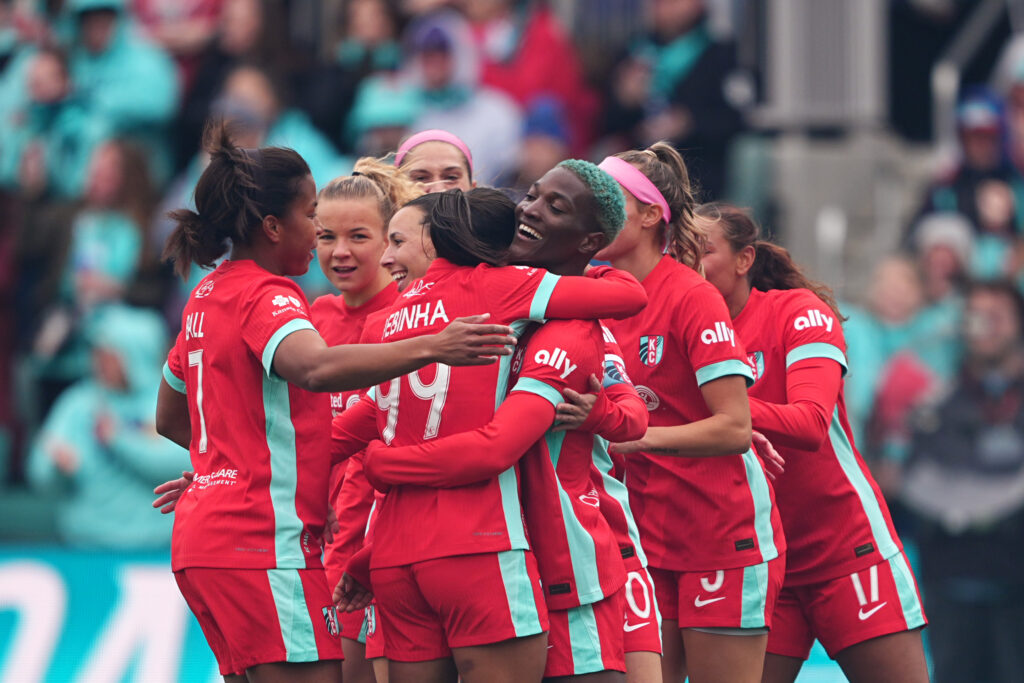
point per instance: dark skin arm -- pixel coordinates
(172, 420)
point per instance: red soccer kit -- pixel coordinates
(418, 523)
(694, 514)
(259, 445)
(339, 324)
(835, 518)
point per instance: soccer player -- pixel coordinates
(700, 496)
(848, 582)
(567, 216)
(352, 217)
(437, 160)
(237, 392)
(490, 621)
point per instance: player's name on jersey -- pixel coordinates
(413, 316)
(194, 325)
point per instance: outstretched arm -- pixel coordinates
(812, 390)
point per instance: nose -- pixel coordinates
(528, 208)
(341, 249)
(388, 257)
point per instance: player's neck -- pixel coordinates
(258, 253)
(360, 298)
(576, 266)
(640, 261)
(737, 300)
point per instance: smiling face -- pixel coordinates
(298, 230)
(438, 166)
(557, 223)
(719, 261)
(350, 242)
(409, 251)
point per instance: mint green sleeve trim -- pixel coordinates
(723, 368)
(539, 305)
(542, 389)
(293, 325)
(173, 381)
(817, 350)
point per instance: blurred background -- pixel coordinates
(881, 141)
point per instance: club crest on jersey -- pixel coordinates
(331, 620)
(756, 362)
(204, 289)
(651, 348)
(418, 287)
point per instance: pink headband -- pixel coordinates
(638, 185)
(435, 135)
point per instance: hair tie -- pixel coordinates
(636, 183)
(433, 135)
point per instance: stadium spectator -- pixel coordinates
(184, 29)
(99, 450)
(103, 253)
(964, 483)
(981, 159)
(369, 46)
(45, 143)
(112, 68)
(526, 53)
(545, 141)
(444, 74)
(671, 85)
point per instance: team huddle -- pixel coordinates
(487, 460)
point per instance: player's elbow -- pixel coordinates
(736, 435)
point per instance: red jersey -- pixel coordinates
(417, 523)
(834, 515)
(694, 514)
(259, 445)
(338, 324)
(577, 553)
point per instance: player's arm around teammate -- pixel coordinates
(851, 588)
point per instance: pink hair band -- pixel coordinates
(435, 135)
(638, 185)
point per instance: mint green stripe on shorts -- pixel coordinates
(522, 603)
(913, 612)
(293, 615)
(755, 596)
(584, 640)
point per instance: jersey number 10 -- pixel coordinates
(436, 392)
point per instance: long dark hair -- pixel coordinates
(235, 192)
(473, 227)
(773, 267)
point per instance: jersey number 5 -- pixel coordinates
(436, 392)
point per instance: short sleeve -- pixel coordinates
(811, 329)
(614, 364)
(174, 374)
(519, 292)
(559, 355)
(270, 311)
(708, 338)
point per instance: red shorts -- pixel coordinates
(841, 612)
(742, 597)
(374, 634)
(432, 606)
(351, 624)
(259, 616)
(642, 624)
(586, 639)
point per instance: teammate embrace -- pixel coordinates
(475, 464)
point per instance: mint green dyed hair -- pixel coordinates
(611, 203)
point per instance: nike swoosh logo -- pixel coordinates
(697, 602)
(632, 627)
(865, 615)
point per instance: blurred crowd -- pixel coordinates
(102, 105)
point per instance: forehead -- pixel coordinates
(434, 155)
(306, 191)
(563, 181)
(346, 214)
(407, 221)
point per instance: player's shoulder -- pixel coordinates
(326, 305)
